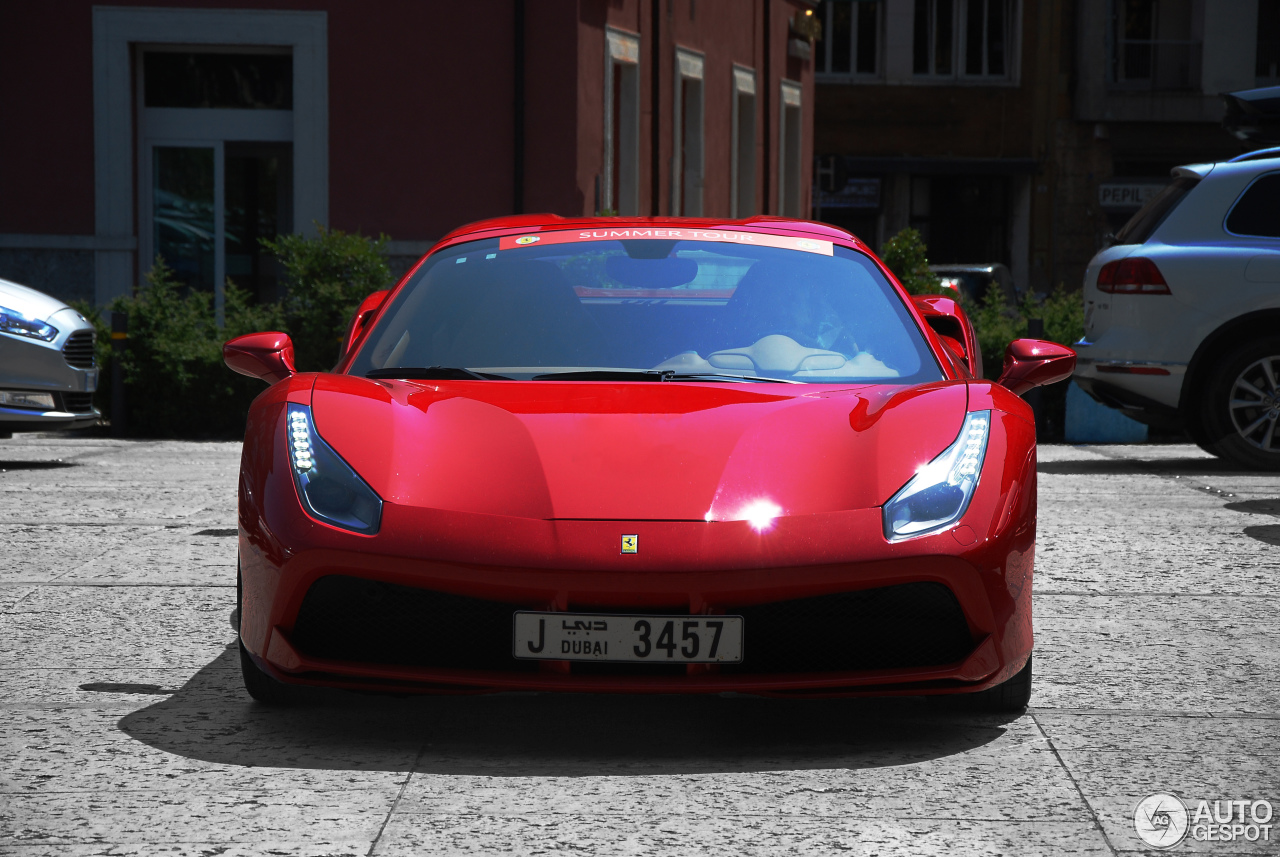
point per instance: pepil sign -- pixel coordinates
(1128, 195)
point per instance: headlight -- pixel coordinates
(330, 490)
(12, 321)
(938, 495)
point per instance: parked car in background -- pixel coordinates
(974, 281)
(1182, 312)
(47, 368)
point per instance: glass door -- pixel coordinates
(216, 159)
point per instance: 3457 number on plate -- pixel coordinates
(657, 639)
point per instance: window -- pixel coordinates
(934, 38)
(790, 172)
(1152, 46)
(742, 155)
(643, 306)
(687, 135)
(850, 43)
(1257, 213)
(1150, 216)
(621, 191)
(215, 153)
(1268, 56)
(986, 35)
(971, 39)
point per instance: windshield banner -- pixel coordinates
(732, 236)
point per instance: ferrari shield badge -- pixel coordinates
(630, 544)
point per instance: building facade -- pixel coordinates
(192, 133)
(1023, 131)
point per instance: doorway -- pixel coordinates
(216, 165)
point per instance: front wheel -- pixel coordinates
(262, 687)
(1242, 406)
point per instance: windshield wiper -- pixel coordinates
(655, 375)
(434, 373)
(723, 376)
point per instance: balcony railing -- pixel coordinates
(1165, 65)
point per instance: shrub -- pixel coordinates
(906, 255)
(326, 278)
(175, 381)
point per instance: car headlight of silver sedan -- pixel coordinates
(12, 321)
(939, 494)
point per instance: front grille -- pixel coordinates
(894, 627)
(350, 619)
(79, 350)
(78, 403)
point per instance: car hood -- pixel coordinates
(635, 451)
(29, 302)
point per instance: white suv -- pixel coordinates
(1182, 313)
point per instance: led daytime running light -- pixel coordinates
(300, 433)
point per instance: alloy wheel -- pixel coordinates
(1255, 404)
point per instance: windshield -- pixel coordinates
(538, 306)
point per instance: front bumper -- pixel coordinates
(46, 367)
(774, 577)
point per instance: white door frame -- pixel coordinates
(116, 30)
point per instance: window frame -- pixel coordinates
(687, 186)
(790, 105)
(959, 47)
(821, 70)
(622, 54)
(742, 176)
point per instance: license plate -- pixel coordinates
(648, 639)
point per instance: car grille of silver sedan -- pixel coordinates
(79, 349)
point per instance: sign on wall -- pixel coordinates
(1122, 195)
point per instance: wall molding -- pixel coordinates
(20, 241)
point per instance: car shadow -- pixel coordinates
(1267, 534)
(1126, 467)
(212, 719)
(1264, 506)
(55, 464)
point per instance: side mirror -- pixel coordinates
(947, 319)
(360, 321)
(268, 356)
(1032, 363)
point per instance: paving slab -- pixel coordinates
(127, 729)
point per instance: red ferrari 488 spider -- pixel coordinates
(643, 455)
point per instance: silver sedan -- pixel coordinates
(47, 368)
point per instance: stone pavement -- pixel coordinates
(126, 730)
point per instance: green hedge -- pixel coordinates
(176, 384)
(995, 323)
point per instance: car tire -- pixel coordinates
(1241, 406)
(262, 687)
(1011, 695)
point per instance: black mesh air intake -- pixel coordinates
(893, 627)
(351, 619)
